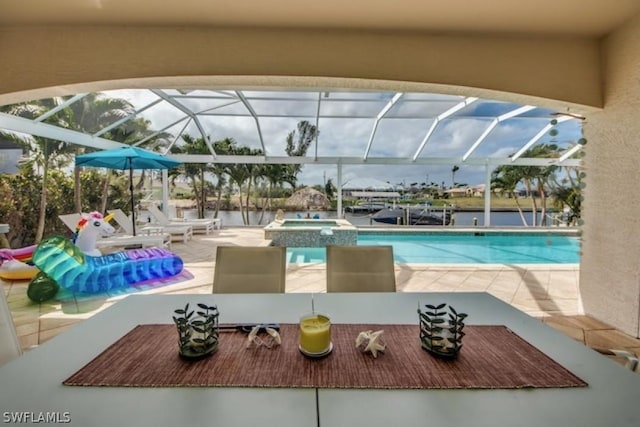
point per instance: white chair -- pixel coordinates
(632, 362)
(206, 225)
(70, 220)
(360, 269)
(250, 269)
(9, 343)
(185, 232)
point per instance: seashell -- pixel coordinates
(369, 341)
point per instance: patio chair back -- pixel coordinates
(360, 269)
(259, 269)
(198, 225)
(124, 221)
(70, 220)
(159, 216)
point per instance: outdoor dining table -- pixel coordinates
(33, 383)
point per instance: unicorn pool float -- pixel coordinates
(80, 267)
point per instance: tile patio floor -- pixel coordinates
(549, 293)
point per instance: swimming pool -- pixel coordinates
(463, 248)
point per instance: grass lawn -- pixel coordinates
(496, 202)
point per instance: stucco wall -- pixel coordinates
(610, 268)
(41, 62)
(560, 68)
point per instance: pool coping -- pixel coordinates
(562, 231)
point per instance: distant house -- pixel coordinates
(375, 195)
(469, 191)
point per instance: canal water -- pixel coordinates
(462, 219)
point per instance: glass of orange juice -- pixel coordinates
(315, 334)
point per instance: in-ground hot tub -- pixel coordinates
(310, 233)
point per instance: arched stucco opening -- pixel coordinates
(583, 74)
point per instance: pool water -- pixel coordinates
(463, 249)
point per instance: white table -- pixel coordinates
(611, 399)
(33, 381)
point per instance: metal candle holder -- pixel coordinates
(441, 330)
(197, 336)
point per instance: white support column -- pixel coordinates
(487, 194)
(165, 192)
(339, 207)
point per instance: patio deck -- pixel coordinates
(549, 293)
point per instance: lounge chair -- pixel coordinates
(360, 269)
(206, 225)
(159, 240)
(249, 269)
(185, 232)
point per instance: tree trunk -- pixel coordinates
(218, 198)
(105, 192)
(140, 184)
(543, 203)
(43, 202)
(203, 195)
(534, 205)
(248, 200)
(515, 198)
(265, 201)
(240, 199)
(196, 193)
(77, 190)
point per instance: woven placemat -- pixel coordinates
(492, 357)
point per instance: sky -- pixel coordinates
(346, 123)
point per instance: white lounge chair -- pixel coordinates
(185, 232)
(146, 240)
(159, 240)
(206, 225)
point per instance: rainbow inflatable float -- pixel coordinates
(16, 264)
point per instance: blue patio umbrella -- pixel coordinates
(126, 158)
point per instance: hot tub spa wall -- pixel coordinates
(310, 238)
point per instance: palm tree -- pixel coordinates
(298, 142)
(128, 133)
(89, 115)
(195, 172)
(454, 169)
(567, 193)
(242, 174)
(536, 178)
(505, 179)
(46, 151)
(220, 170)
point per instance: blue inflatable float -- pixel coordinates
(70, 268)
